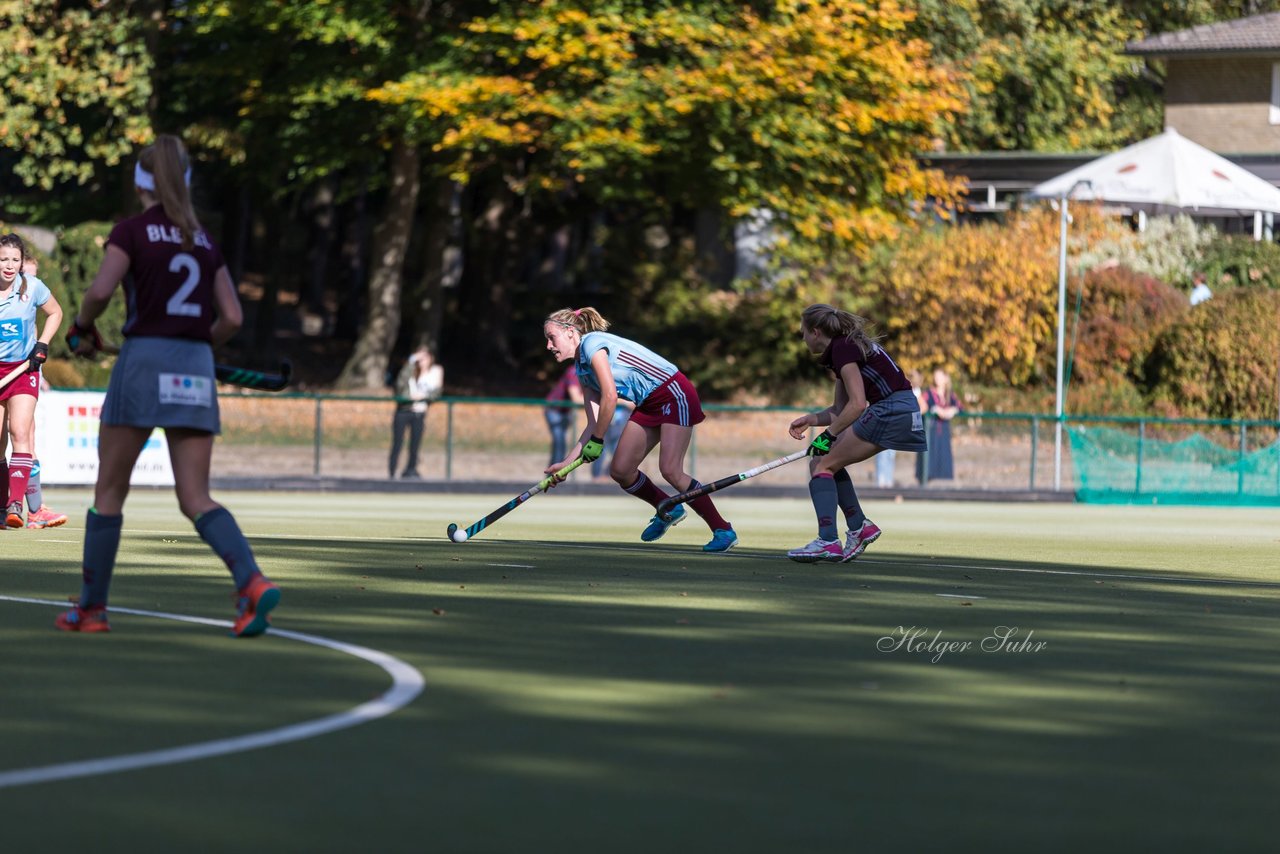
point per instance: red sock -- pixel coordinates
(647, 490)
(705, 508)
(19, 474)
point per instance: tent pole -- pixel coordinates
(1062, 309)
(1062, 328)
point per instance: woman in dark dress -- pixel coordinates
(941, 403)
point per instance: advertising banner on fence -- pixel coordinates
(67, 442)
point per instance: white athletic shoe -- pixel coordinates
(820, 550)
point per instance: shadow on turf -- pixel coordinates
(746, 702)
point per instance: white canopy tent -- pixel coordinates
(1164, 174)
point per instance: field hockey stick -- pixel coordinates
(260, 380)
(243, 377)
(461, 535)
(14, 374)
(666, 506)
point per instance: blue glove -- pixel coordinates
(821, 446)
(593, 449)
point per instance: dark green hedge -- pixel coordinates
(68, 273)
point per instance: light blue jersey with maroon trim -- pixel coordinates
(637, 370)
(18, 318)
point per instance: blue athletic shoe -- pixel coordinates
(657, 527)
(721, 541)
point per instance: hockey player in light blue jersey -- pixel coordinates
(667, 407)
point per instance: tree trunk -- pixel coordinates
(367, 367)
(237, 257)
(353, 254)
(437, 272)
(495, 249)
(322, 223)
(276, 271)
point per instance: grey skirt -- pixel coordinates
(163, 382)
(895, 422)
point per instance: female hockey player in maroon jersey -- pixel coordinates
(181, 304)
(874, 409)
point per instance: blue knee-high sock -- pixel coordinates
(822, 489)
(848, 497)
(218, 528)
(35, 495)
(101, 542)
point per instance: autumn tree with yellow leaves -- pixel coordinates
(815, 111)
(981, 299)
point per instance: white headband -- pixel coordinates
(144, 180)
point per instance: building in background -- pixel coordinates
(1222, 91)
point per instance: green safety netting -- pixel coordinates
(1132, 464)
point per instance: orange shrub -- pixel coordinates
(981, 299)
(1220, 360)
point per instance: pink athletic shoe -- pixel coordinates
(45, 518)
(856, 542)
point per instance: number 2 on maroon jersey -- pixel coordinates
(182, 262)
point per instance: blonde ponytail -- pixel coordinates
(582, 319)
(167, 161)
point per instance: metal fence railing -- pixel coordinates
(317, 435)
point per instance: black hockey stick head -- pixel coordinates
(258, 380)
(665, 509)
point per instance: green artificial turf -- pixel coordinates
(588, 692)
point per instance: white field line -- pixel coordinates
(406, 684)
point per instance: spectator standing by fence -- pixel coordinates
(941, 402)
(600, 468)
(560, 417)
(917, 380)
(419, 382)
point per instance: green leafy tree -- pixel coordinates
(76, 84)
(1163, 16)
(1043, 75)
(1230, 261)
(280, 90)
(1053, 75)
